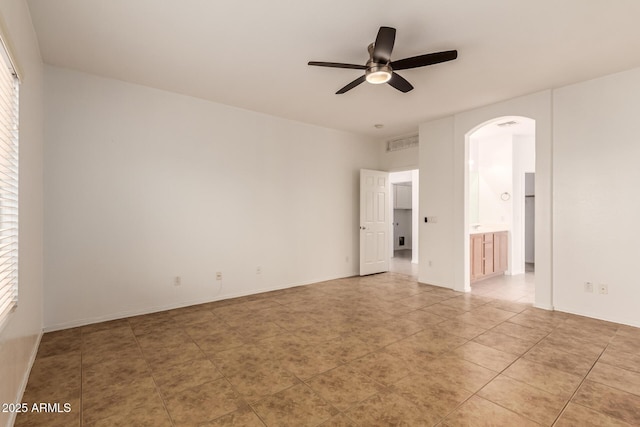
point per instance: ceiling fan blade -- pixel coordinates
(384, 44)
(337, 65)
(400, 83)
(351, 85)
(424, 60)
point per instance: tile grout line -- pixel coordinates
(585, 379)
(155, 384)
(223, 375)
(496, 376)
(500, 373)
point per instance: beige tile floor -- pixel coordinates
(520, 288)
(401, 263)
(382, 350)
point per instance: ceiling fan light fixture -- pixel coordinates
(378, 74)
(379, 68)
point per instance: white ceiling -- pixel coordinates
(253, 54)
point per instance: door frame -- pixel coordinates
(415, 212)
(537, 107)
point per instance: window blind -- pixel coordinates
(8, 185)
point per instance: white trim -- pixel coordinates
(441, 285)
(155, 309)
(25, 378)
(583, 313)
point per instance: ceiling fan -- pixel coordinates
(380, 68)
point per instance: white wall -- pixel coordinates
(19, 338)
(524, 155)
(596, 203)
(436, 264)
(590, 231)
(144, 185)
(400, 177)
(400, 160)
(494, 163)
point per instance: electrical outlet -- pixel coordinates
(177, 281)
(258, 270)
(588, 287)
(346, 259)
(430, 263)
(603, 289)
(219, 275)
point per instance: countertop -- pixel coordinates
(487, 228)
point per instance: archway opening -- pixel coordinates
(500, 188)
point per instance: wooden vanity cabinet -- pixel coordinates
(489, 255)
(476, 250)
(500, 253)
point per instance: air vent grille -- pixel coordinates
(507, 124)
(402, 143)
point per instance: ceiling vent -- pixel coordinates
(507, 124)
(402, 143)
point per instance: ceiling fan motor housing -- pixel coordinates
(378, 73)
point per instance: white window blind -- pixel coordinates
(8, 186)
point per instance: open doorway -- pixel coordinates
(529, 221)
(501, 175)
(404, 214)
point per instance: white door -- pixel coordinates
(374, 221)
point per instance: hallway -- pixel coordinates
(401, 263)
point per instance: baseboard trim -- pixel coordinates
(597, 316)
(25, 377)
(545, 307)
(440, 285)
(155, 309)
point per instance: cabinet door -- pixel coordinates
(488, 263)
(402, 197)
(476, 256)
(500, 251)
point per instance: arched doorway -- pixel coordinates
(499, 221)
